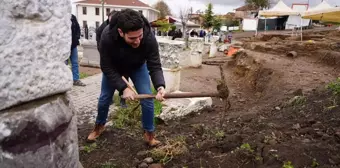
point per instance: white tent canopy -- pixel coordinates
(321, 6)
(280, 9)
(323, 12)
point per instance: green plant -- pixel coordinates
(247, 147)
(83, 75)
(219, 134)
(334, 87)
(297, 100)
(108, 165)
(164, 26)
(90, 148)
(287, 164)
(315, 163)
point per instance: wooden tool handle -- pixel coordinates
(177, 95)
(129, 85)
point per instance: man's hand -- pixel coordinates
(128, 94)
(160, 94)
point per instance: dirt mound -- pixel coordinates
(329, 57)
(252, 70)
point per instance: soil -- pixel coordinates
(89, 70)
(280, 113)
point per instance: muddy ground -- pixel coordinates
(281, 115)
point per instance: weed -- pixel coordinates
(287, 164)
(334, 87)
(83, 75)
(90, 148)
(219, 134)
(297, 100)
(247, 147)
(171, 148)
(130, 116)
(315, 163)
(108, 165)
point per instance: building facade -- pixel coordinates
(90, 12)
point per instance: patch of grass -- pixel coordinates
(315, 163)
(334, 87)
(287, 164)
(219, 134)
(108, 165)
(247, 147)
(90, 148)
(83, 75)
(297, 101)
(130, 116)
(171, 148)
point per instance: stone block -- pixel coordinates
(41, 133)
(178, 108)
(172, 79)
(35, 40)
(169, 51)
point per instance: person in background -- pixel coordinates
(229, 36)
(99, 32)
(75, 28)
(128, 46)
(193, 33)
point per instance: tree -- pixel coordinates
(217, 23)
(164, 26)
(208, 18)
(184, 16)
(163, 8)
(259, 4)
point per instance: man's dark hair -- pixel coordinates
(112, 13)
(129, 20)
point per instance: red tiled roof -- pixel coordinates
(246, 8)
(117, 2)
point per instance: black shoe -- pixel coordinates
(78, 83)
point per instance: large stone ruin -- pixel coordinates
(37, 124)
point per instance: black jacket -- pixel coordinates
(100, 31)
(118, 58)
(75, 28)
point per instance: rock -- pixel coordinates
(178, 108)
(142, 153)
(306, 141)
(277, 108)
(34, 42)
(148, 160)
(272, 142)
(292, 54)
(156, 165)
(143, 165)
(241, 100)
(41, 133)
(172, 79)
(296, 126)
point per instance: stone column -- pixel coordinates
(37, 123)
(192, 57)
(169, 51)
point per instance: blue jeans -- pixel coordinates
(74, 63)
(141, 80)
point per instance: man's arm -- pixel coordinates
(154, 63)
(106, 49)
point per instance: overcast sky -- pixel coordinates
(225, 6)
(221, 6)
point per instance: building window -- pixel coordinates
(84, 23)
(97, 25)
(140, 11)
(97, 11)
(84, 11)
(107, 11)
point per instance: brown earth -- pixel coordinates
(280, 111)
(89, 70)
